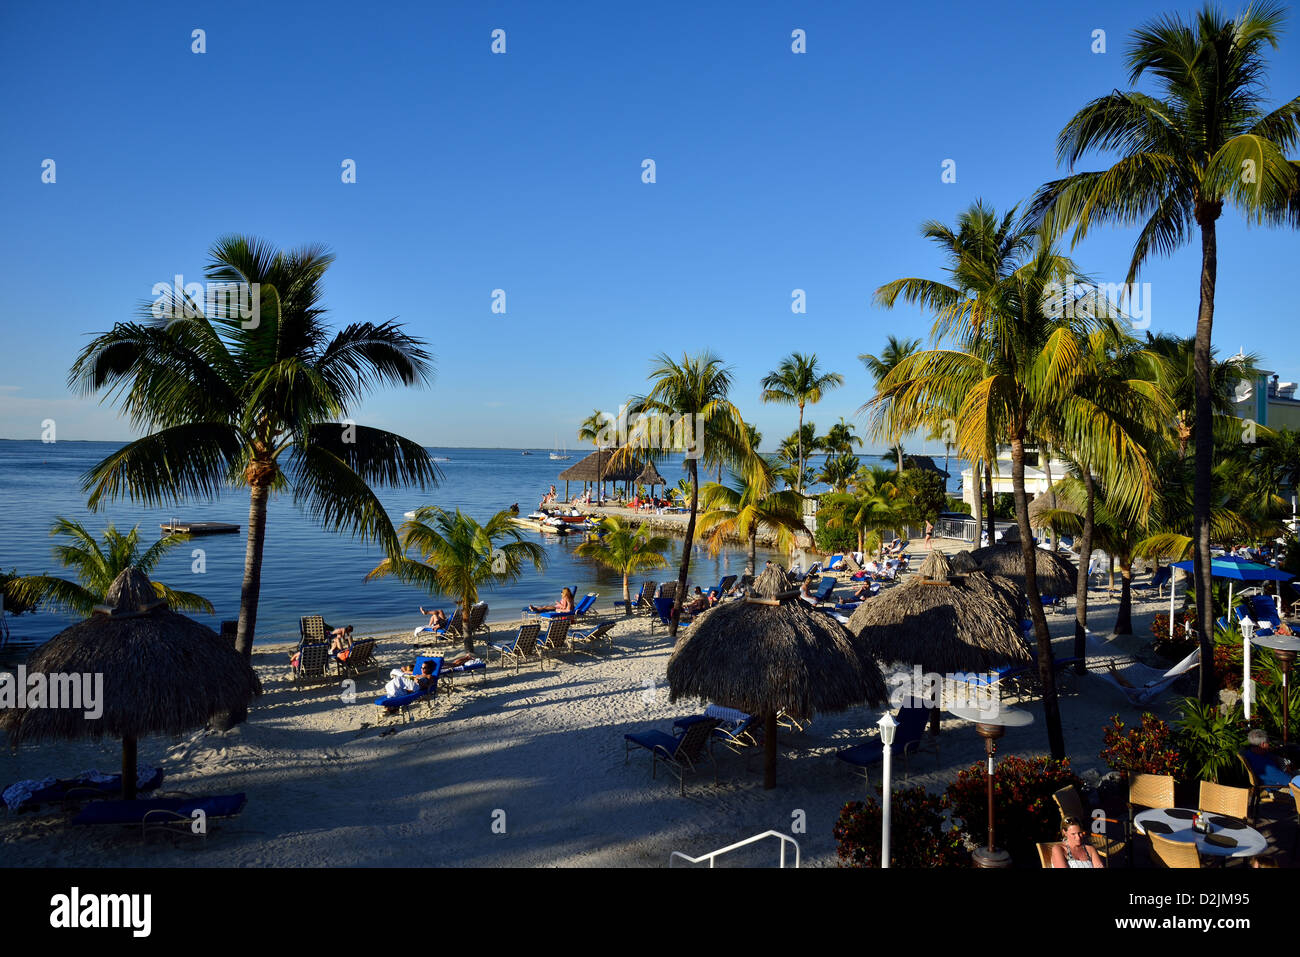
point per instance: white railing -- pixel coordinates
(714, 855)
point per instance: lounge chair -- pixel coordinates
(722, 586)
(736, 730)
(359, 659)
(602, 632)
(30, 795)
(1260, 789)
(641, 603)
(664, 613)
(834, 563)
(912, 720)
(403, 702)
(311, 629)
(311, 662)
(522, 647)
(681, 753)
(1158, 580)
(477, 621)
(554, 642)
(586, 607)
(825, 588)
(446, 631)
(184, 811)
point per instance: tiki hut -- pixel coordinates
(924, 463)
(936, 566)
(962, 563)
(163, 673)
(963, 624)
(1042, 504)
(650, 476)
(606, 465)
(1056, 575)
(769, 653)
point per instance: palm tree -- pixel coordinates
(593, 429)
(1206, 140)
(741, 508)
(797, 381)
(97, 567)
(873, 506)
(839, 470)
(895, 351)
(841, 438)
(458, 556)
(625, 550)
(262, 403)
(688, 399)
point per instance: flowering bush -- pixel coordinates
(918, 836)
(1022, 801)
(1181, 644)
(1150, 749)
(1227, 666)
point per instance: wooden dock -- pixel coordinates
(199, 528)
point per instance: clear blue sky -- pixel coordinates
(522, 171)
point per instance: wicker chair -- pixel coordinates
(1174, 853)
(1111, 841)
(1221, 799)
(1045, 853)
(1150, 791)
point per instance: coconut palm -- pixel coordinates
(687, 406)
(97, 567)
(593, 429)
(895, 351)
(625, 550)
(797, 381)
(838, 471)
(874, 505)
(1203, 141)
(458, 556)
(738, 510)
(841, 438)
(262, 403)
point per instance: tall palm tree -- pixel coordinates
(261, 403)
(874, 505)
(841, 438)
(685, 396)
(797, 381)
(625, 550)
(895, 351)
(1009, 375)
(97, 567)
(1204, 141)
(741, 508)
(593, 429)
(458, 556)
(839, 470)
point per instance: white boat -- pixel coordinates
(555, 454)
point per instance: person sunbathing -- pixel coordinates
(401, 681)
(562, 607)
(342, 640)
(698, 603)
(426, 679)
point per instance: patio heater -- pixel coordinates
(1285, 647)
(887, 726)
(991, 725)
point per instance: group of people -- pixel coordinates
(340, 645)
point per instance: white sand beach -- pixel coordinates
(539, 754)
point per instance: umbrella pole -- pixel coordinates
(128, 768)
(769, 751)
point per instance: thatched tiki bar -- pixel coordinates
(1057, 576)
(163, 673)
(769, 653)
(605, 465)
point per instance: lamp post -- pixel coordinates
(1285, 647)
(887, 726)
(991, 725)
(1247, 692)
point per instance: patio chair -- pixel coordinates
(912, 720)
(311, 662)
(1223, 799)
(1111, 841)
(667, 590)
(358, 659)
(1149, 791)
(680, 753)
(1260, 790)
(1176, 854)
(641, 603)
(182, 811)
(1045, 853)
(555, 641)
(522, 647)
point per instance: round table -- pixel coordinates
(1179, 823)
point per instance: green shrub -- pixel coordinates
(918, 836)
(1209, 739)
(1024, 812)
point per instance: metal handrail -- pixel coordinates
(713, 855)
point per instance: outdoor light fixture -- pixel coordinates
(887, 726)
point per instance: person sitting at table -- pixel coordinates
(1074, 849)
(1270, 768)
(562, 607)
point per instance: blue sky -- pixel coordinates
(522, 171)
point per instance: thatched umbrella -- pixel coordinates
(163, 673)
(1054, 498)
(936, 566)
(772, 652)
(962, 563)
(958, 625)
(650, 476)
(1056, 575)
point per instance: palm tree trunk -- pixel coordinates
(466, 639)
(977, 510)
(1046, 671)
(799, 476)
(1047, 470)
(251, 589)
(1206, 214)
(685, 570)
(988, 485)
(1081, 587)
(627, 597)
(752, 567)
(1124, 619)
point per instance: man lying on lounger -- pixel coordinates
(437, 622)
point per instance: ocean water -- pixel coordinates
(305, 570)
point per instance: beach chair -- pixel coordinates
(31, 795)
(912, 720)
(680, 753)
(587, 607)
(664, 614)
(834, 563)
(722, 587)
(667, 590)
(182, 812)
(311, 662)
(735, 731)
(824, 589)
(311, 629)
(1111, 841)
(476, 623)
(1158, 580)
(406, 700)
(522, 647)
(448, 630)
(602, 632)
(359, 659)
(555, 641)
(641, 603)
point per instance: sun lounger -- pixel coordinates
(735, 730)
(522, 647)
(664, 614)
(602, 632)
(359, 659)
(722, 586)
(1158, 580)
(311, 662)
(30, 795)
(160, 811)
(912, 719)
(680, 752)
(311, 629)
(824, 589)
(641, 603)
(554, 642)
(403, 702)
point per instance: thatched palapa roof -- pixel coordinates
(1042, 503)
(962, 563)
(965, 624)
(609, 465)
(923, 462)
(1056, 575)
(650, 476)
(936, 565)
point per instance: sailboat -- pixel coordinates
(555, 454)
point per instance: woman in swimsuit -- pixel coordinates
(1075, 851)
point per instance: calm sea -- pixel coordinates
(305, 570)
